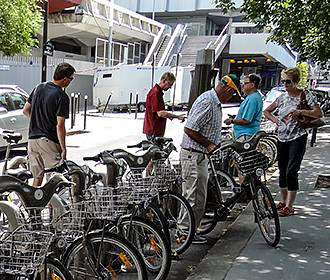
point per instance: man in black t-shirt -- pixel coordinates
(48, 107)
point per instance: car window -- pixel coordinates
(5, 101)
(17, 100)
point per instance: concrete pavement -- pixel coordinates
(304, 249)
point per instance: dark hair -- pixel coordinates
(255, 79)
(63, 70)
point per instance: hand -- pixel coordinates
(296, 113)
(182, 117)
(211, 147)
(228, 121)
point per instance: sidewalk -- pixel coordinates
(304, 249)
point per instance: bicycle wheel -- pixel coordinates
(267, 148)
(104, 255)
(226, 188)
(266, 214)
(151, 243)
(181, 236)
(53, 269)
(156, 216)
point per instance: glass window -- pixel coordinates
(18, 101)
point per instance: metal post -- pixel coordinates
(153, 69)
(85, 112)
(136, 104)
(44, 42)
(130, 102)
(106, 104)
(313, 139)
(75, 108)
(110, 33)
(153, 9)
(78, 102)
(176, 76)
(72, 110)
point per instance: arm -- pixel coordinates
(268, 113)
(168, 115)
(199, 138)
(237, 121)
(61, 133)
(314, 113)
(27, 109)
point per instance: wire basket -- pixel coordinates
(139, 190)
(23, 252)
(249, 162)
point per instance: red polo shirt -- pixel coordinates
(154, 125)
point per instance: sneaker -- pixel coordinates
(280, 205)
(286, 211)
(199, 239)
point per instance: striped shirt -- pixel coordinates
(204, 117)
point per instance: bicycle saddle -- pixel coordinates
(20, 173)
(248, 145)
(32, 196)
(138, 161)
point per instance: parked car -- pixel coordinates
(12, 101)
(272, 95)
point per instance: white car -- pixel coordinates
(272, 95)
(12, 100)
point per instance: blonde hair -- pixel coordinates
(168, 76)
(293, 73)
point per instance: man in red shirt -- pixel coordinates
(155, 115)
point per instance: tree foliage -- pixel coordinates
(303, 24)
(304, 74)
(20, 20)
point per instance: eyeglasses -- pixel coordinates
(245, 83)
(70, 78)
(286, 81)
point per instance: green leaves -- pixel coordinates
(20, 21)
(304, 24)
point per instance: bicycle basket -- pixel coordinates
(23, 252)
(139, 190)
(248, 162)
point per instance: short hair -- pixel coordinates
(63, 70)
(255, 79)
(168, 76)
(293, 73)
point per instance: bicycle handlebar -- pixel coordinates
(94, 158)
(60, 168)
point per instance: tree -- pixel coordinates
(20, 21)
(303, 24)
(304, 74)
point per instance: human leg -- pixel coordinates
(36, 163)
(282, 166)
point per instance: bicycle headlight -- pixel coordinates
(259, 172)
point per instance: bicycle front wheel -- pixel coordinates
(53, 269)
(106, 255)
(266, 214)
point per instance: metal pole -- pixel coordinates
(106, 105)
(44, 42)
(136, 104)
(130, 102)
(85, 112)
(153, 69)
(153, 9)
(176, 76)
(78, 102)
(72, 110)
(110, 33)
(313, 139)
(75, 108)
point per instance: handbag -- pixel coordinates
(304, 121)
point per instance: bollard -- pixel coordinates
(136, 104)
(75, 108)
(106, 105)
(130, 102)
(85, 112)
(78, 102)
(72, 110)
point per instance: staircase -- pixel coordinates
(191, 46)
(162, 48)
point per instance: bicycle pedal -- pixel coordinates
(222, 214)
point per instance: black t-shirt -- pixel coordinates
(48, 102)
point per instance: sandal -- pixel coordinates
(280, 205)
(285, 212)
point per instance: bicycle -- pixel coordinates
(252, 164)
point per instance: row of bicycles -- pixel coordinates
(128, 222)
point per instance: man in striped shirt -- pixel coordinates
(202, 133)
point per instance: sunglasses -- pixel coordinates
(286, 81)
(70, 78)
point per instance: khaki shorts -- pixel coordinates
(43, 153)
